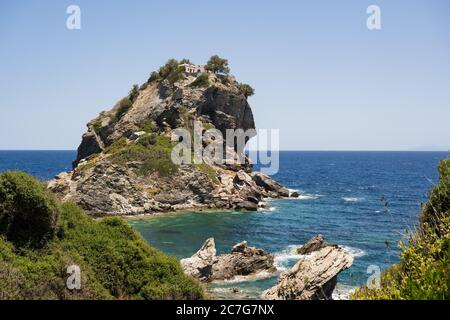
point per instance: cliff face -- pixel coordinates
(123, 164)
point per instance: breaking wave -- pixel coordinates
(352, 199)
(283, 260)
(354, 252)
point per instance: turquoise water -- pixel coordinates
(364, 201)
(341, 198)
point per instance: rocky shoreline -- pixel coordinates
(313, 277)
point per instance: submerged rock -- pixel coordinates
(313, 277)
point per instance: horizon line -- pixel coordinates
(280, 150)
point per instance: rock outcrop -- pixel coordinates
(200, 264)
(123, 166)
(314, 244)
(241, 261)
(312, 277)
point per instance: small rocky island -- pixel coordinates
(123, 165)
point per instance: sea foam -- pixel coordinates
(354, 252)
(352, 199)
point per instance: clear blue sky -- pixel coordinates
(320, 75)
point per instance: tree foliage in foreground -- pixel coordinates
(115, 261)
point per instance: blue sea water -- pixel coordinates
(41, 164)
(364, 201)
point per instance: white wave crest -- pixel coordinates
(267, 209)
(308, 197)
(354, 252)
(252, 277)
(284, 259)
(294, 190)
(352, 199)
(342, 292)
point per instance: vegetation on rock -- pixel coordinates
(131, 152)
(124, 105)
(171, 71)
(154, 153)
(28, 213)
(154, 76)
(217, 64)
(246, 90)
(424, 268)
(201, 81)
(115, 261)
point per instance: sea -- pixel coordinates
(364, 201)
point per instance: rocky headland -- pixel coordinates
(124, 167)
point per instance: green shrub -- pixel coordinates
(154, 76)
(208, 171)
(147, 140)
(185, 60)
(155, 157)
(97, 126)
(439, 202)
(116, 146)
(176, 75)
(201, 81)
(423, 271)
(28, 212)
(115, 261)
(246, 90)
(124, 105)
(149, 126)
(122, 260)
(217, 64)
(172, 71)
(134, 92)
(170, 67)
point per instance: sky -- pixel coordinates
(321, 76)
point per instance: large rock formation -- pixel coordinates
(312, 277)
(123, 166)
(242, 261)
(200, 264)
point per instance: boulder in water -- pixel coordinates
(200, 264)
(312, 278)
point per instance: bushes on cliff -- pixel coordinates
(134, 92)
(423, 271)
(28, 213)
(115, 261)
(154, 153)
(438, 205)
(246, 90)
(154, 76)
(217, 64)
(172, 71)
(124, 105)
(122, 260)
(201, 81)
